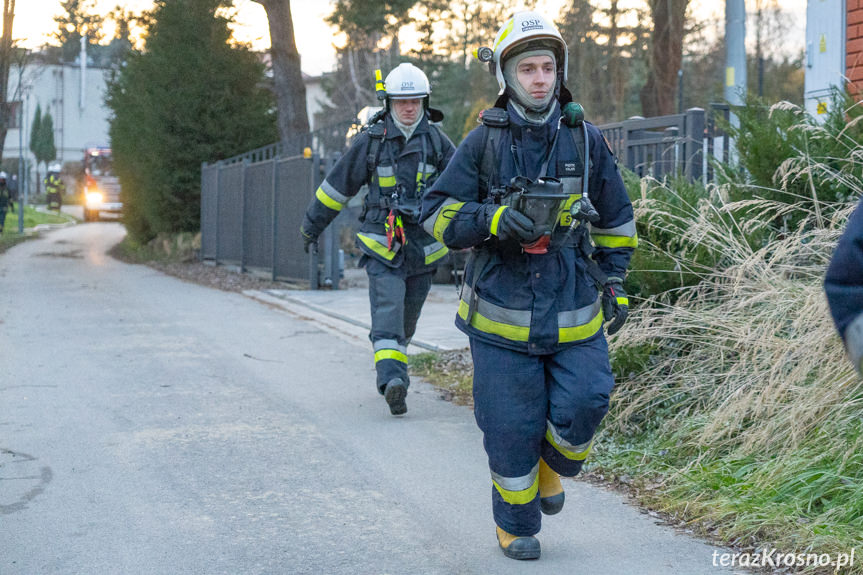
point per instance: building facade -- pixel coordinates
(75, 98)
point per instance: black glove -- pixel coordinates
(515, 225)
(615, 305)
(308, 239)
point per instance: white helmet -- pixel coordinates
(55, 167)
(2, 175)
(525, 30)
(406, 82)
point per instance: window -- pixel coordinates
(13, 111)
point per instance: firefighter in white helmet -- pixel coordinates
(399, 155)
(536, 193)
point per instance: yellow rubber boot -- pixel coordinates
(518, 547)
(551, 495)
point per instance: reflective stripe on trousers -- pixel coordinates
(396, 300)
(536, 406)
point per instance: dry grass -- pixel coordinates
(738, 399)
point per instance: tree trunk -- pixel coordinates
(5, 63)
(666, 57)
(287, 75)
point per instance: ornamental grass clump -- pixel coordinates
(735, 397)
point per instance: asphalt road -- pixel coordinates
(149, 425)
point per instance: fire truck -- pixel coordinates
(101, 186)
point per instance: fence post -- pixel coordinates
(202, 217)
(693, 143)
(274, 205)
(243, 216)
(218, 207)
(668, 161)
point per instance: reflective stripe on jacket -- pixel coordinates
(400, 168)
(537, 303)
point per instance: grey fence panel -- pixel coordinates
(296, 187)
(209, 210)
(258, 216)
(661, 146)
(229, 244)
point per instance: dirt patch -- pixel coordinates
(219, 277)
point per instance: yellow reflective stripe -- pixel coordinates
(377, 247)
(495, 219)
(579, 332)
(623, 301)
(443, 219)
(386, 176)
(390, 354)
(422, 172)
(511, 332)
(570, 454)
(519, 497)
(322, 197)
(436, 255)
(615, 241)
(505, 32)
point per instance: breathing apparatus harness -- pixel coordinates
(397, 203)
(545, 192)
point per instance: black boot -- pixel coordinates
(518, 547)
(395, 394)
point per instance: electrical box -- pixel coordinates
(825, 54)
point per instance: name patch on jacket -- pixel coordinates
(568, 169)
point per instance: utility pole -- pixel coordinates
(735, 52)
(759, 54)
(20, 159)
(735, 62)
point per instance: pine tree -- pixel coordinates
(35, 143)
(190, 96)
(47, 148)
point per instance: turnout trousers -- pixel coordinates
(396, 296)
(532, 406)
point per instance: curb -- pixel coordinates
(348, 329)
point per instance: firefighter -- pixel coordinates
(55, 187)
(536, 289)
(843, 285)
(6, 201)
(397, 156)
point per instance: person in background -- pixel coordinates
(843, 286)
(6, 200)
(398, 156)
(55, 187)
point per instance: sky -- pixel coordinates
(34, 24)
